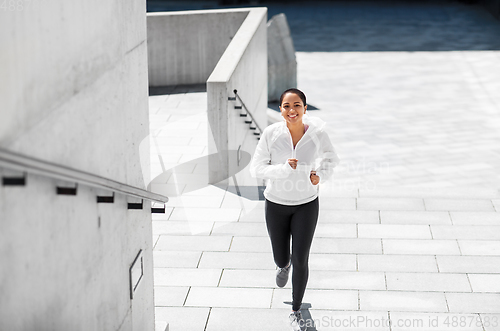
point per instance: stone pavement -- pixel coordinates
(409, 228)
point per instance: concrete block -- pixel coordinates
(428, 282)
(249, 278)
(318, 299)
(349, 216)
(414, 217)
(186, 277)
(170, 296)
(469, 264)
(397, 263)
(205, 214)
(331, 230)
(346, 280)
(485, 282)
(282, 65)
(193, 243)
(239, 229)
(346, 246)
(403, 321)
(183, 318)
(409, 204)
(237, 260)
(475, 218)
(185, 46)
(480, 247)
(176, 259)
(403, 301)
(394, 231)
(459, 204)
(473, 232)
(230, 319)
(421, 247)
(225, 297)
(473, 302)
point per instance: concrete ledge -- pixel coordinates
(242, 67)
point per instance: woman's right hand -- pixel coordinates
(293, 163)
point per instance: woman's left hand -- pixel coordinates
(314, 178)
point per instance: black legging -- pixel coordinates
(300, 222)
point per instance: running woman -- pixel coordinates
(294, 156)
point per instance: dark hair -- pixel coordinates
(301, 95)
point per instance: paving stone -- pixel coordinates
(390, 204)
(397, 263)
(419, 192)
(479, 247)
(330, 230)
(237, 260)
(349, 320)
(469, 264)
(475, 218)
(394, 231)
(338, 204)
(251, 244)
(186, 277)
(340, 262)
(346, 280)
(429, 282)
(193, 243)
(438, 321)
(473, 302)
(244, 319)
(459, 204)
(182, 227)
(479, 232)
(402, 301)
(485, 282)
(183, 318)
(226, 297)
(347, 216)
(491, 322)
(496, 203)
(318, 299)
(349, 246)
(421, 247)
(205, 214)
(414, 217)
(176, 259)
(172, 296)
(240, 229)
(249, 278)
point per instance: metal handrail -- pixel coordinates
(23, 163)
(248, 111)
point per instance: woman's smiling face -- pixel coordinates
(292, 108)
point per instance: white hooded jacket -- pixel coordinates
(314, 151)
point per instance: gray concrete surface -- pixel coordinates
(74, 92)
(420, 247)
(185, 46)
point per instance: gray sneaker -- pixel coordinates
(297, 322)
(282, 275)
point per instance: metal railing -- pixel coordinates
(252, 121)
(23, 163)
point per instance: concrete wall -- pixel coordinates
(185, 46)
(242, 67)
(282, 65)
(74, 92)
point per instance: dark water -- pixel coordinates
(342, 26)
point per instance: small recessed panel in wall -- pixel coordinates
(135, 273)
